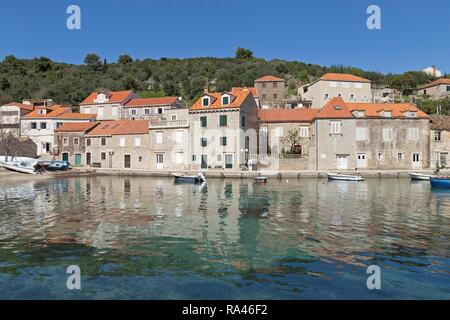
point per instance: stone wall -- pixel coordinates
(17, 146)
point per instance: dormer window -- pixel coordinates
(412, 114)
(42, 111)
(225, 100)
(205, 101)
(337, 107)
(359, 113)
(387, 114)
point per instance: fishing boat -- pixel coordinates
(20, 164)
(440, 182)
(199, 178)
(420, 176)
(58, 165)
(344, 177)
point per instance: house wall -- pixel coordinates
(436, 92)
(266, 91)
(317, 91)
(440, 150)
(153, 112)
(10, 119)
(109, 111)
(71, 148)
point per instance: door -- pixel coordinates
(127, 160)
(88, 158)
(443, 159)
(159, 161)
(342, 161)
(204, 161)
(416, 160)
(78, 159)
(65, 156)
(228, 161)
(361, 160)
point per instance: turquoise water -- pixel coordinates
(147, 238)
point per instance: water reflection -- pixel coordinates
(226, 228)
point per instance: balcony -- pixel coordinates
(168, 124)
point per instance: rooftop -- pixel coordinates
(269, 78)
(287, 115)
(76, 126)
(151, 102)
(120, 127)
(112, 96)
(440, 123)
(436, 83)
(343, 77)
(235, 101)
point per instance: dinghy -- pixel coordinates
(344, 177)
(420, 176)
(440, 182)
(199, 178)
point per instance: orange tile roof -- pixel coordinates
(269, 78)
(216, 101)
(336, 108)
(20, 105)
(236, 90)
(58, 112)
(287, 115)
(76, 126)
(120, 127)
(148, 102)
(343, 77)
(398, 109)
(115, 97)
(436, 83)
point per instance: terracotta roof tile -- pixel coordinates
(440, 123)
(149, 102)
(114, 97)
(235, 90)
(216, 101)
(269, 78)
(58, 112)
(343, 77)
(120, 127)
(287, 115)
(336, 108)
(76, 126)
(20, 105)
(398, 109)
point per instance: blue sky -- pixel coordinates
(414, 34)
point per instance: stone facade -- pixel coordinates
(440, 142)
(438, 89)
(107, 105)
(272, 92)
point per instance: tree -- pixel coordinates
(292, 139)
(242, 53)
(125, 59)
(93, 61)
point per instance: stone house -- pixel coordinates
(152, 108)
(224, 130)
(371, 136)
(40, 125)
(70, 142)
(440, 141)
(107, 105)
(271, 91)
(11, 115)
(437, 89)
(346, 86)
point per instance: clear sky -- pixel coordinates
(414, 34)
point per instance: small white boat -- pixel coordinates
(19, 167)
(261, 179)
(420, 176)
(199, 178)
(344, 177)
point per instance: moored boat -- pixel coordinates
(344, 177)
(420, 176)
(20, 166)
(58, 165)
(440, 182)
(261, 179)
(199, 178)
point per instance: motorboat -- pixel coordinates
(19, 164)
(420, 176)
(199, 178)
(59, 165)
(344, 177)
(440, 182)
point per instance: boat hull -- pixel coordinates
(17, 168)
(344, 177)
(189, 179)
(440, 183)
(421, 177)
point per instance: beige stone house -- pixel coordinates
(437, 89)
(346, 86)
(152, 108)
(271, 92)
(362, 136)
(70, 142)
(11, 115)
(107, 105)
(440, 141)
(224, 130)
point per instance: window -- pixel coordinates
(274, 84)
(358, 85)
(448, 89)
(335, 127)
(203, 142)
(194, 158)
(345, 85)
(278, 132)
(361, 134)
(103, 155)
(137, 142)
(412, 114)
(159, 158)
(413, 134)
(58, 124)
(352, 97)
(33, 125)
(437, 136)
(327, 96)
(263, 84)
(223, 120)
(400, 156)
(179, 137)
(229, 161)
(416, 157)
(203, 122)
(133, 112)
(275, 96)
(76, 141)
(388, 134)
(66, 141)
(160, 110)
(88, 142)
(223, 141)
(360, 114)
(173, 117)
(380, 156)
(146, 111)
(140, 159)
(205, 102)
(43, 125)
(122, 142)
(333, 84)
(264, 96)
(103, 142)
(225, 100)
(339, 94)
(304, 132)
(159, 137)
(242, 121)
(387, 114)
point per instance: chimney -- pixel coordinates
(205, 89)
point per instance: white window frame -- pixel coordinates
(304, 131)
(388, 134)
(335, 127)
(137, 141)
(413, 134)
(159, 137)
(361, 133)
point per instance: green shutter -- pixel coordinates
(223, 121)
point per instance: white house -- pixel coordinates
(40, 124)
(433, 71)
(107, 105)
(10, 116)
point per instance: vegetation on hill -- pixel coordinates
(68, 83)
